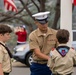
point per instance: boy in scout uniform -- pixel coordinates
(5, 55)
(42, 40)
(63, 57)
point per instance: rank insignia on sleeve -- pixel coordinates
(53, 49)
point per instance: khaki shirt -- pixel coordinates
(43, 42)
(62, 65)
(5, 59)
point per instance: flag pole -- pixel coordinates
(66, 17)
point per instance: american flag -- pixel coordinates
(74, 2)
(10, 5)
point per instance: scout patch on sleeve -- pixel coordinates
(72, 48)
(63, 50)
(53, 49)
(50, 53)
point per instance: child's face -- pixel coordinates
(22, 29)
(6, 37)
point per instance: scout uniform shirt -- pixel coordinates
(60, 64)
(44, 42)
(5, 59)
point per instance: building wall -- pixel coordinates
(74, 19)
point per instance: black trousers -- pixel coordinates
(6, 73)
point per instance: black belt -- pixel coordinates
(40, 61)
(6, 73)
(60, 74)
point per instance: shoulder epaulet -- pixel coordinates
(72, 48)
(53, 49)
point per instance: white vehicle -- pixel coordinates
(23, 54)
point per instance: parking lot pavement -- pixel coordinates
(16, 63)
(22, 69)
(19, 69)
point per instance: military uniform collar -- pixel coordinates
(62, 45)
(48, 32)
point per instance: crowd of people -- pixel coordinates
(51, 54)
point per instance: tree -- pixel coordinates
(24, 15)
(57, 14)
(28, 7)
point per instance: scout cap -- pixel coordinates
(41, 17)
